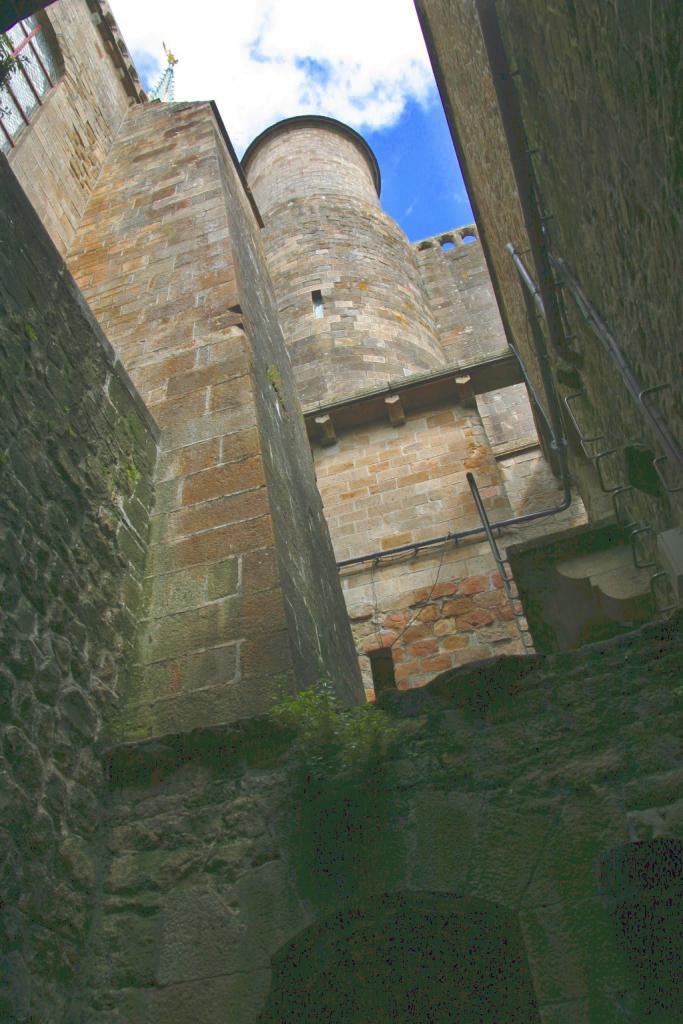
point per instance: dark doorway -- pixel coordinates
(382, 667)
(410, 958)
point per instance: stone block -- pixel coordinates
(444, 826)
(183, 461)
(506, 851)
(177, 591)
(173, 412)
(591, 821)
(223, 578)
(221, 511)
(215, 373)
(216, 666)
(204, 932)
(222, 480)
(238, 998)
(269, 901)
(178, 634)
(225, 420)
(213, 545)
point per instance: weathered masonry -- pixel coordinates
(251, 439)
(408, 384)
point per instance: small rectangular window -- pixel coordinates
(317, 298)
(382, 667)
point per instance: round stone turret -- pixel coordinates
(351, 301)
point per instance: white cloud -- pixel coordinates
(356, 60)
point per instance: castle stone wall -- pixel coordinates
(59, 155)
(460, 294)
(322, 645)
(310, 156)
(77, 454)
(605, 168)
(522, 785)
(609, 178)
(331, 237)
(383, 487)
(155, 260)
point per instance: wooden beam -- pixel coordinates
(394, 407)
(465, 390)
(326, 432)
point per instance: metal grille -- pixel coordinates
(34, 75)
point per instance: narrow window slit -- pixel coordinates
(317, 298)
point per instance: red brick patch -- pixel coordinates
(474, 585)
(396, 620)
(417, 631)
(388, 638)
(406, 670)
(479, 617)
(439, 663)
(422, 647)
(457, 608)
(454, 643)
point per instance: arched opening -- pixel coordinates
(641, 885)
(406, 957)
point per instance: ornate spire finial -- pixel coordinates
(163, 90)
(172, 60)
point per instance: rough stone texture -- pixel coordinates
(325, 232)
(460, 295)
(153, 257)
(512, 786)
(77, 453)
(239, 556)
(610, 180)
(605, 167)
(580, 585)
(507, 418)
(321, 644)
(59, 156)
(383, 487)
(306, 156)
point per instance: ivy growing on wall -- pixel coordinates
(340, 792)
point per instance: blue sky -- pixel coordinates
(422, 187)
(279, 58)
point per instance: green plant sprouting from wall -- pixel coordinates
(339, 795)
(275, 380)
(331, 740)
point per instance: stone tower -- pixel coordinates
(352, 305)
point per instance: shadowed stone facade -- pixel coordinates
(76, 472)
(604, 180)
(511, 789)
